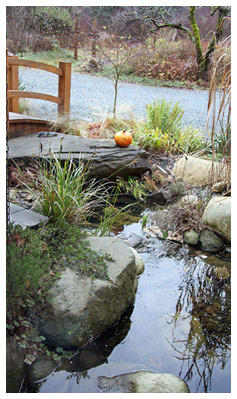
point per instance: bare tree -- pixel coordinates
(117, 53)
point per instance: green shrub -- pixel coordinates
(161, 116)
(187, 140)
(132, 186)
(34, 260)
(28, 261)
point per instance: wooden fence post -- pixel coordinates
(64, 88)
(75, 39)
(13, 84)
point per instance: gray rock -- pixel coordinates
(217, 215)
(14, 366)
(41, 368)
(189, 199)
(200, 172)
(135, 240)
(218, 187)
(191, 237)
(143, 382)
(159, 197)
(25, 217)
(82, 308)
(210, 242)
(139, 262)
(106, 159)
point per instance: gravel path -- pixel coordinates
(92, 97)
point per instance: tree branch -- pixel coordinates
(174, 26)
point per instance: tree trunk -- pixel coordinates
(115, 95)
(198, 44)
(222, 13)
(203, 60)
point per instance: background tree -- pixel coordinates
(117, 53)
(203, 58)
(28, 25)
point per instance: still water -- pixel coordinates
(179, 324)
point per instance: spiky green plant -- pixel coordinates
(185, 141)
(64, 191)
(162, 116)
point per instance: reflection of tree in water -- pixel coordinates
(204, 300)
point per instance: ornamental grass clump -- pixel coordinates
(161, 116)
(63, 190)
(162, 131)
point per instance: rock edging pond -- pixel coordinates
(83, 308)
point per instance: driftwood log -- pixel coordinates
(105, 157)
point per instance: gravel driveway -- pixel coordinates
(92, 97)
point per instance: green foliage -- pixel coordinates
(162, 131)
(34, 259)
(187, 140)
(222, 142)
(64, 191)
(191, 140)
(27, 263)
(144, 220)
(74, 251)
(132, 186)
(161, 116)
(52, 20)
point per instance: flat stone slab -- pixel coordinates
(105, 157)
(25, 217)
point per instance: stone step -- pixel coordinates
(25, 217)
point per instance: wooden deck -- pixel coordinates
(22, 125)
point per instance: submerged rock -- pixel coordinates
(143, 382)
(41, 368)
(81, 309)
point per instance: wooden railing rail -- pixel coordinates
(33, 94)
(64, 84)
(35, 64)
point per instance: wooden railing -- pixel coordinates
(64, 84)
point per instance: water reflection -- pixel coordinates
(197, 291)
(97, 352)
(92, 355)
(204, 305)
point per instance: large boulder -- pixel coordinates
(217, 215)
(82, 308)
(143, 382)
(200, 172)
(105, 158)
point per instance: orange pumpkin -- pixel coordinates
(123, 138)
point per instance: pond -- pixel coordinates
(179, 324)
